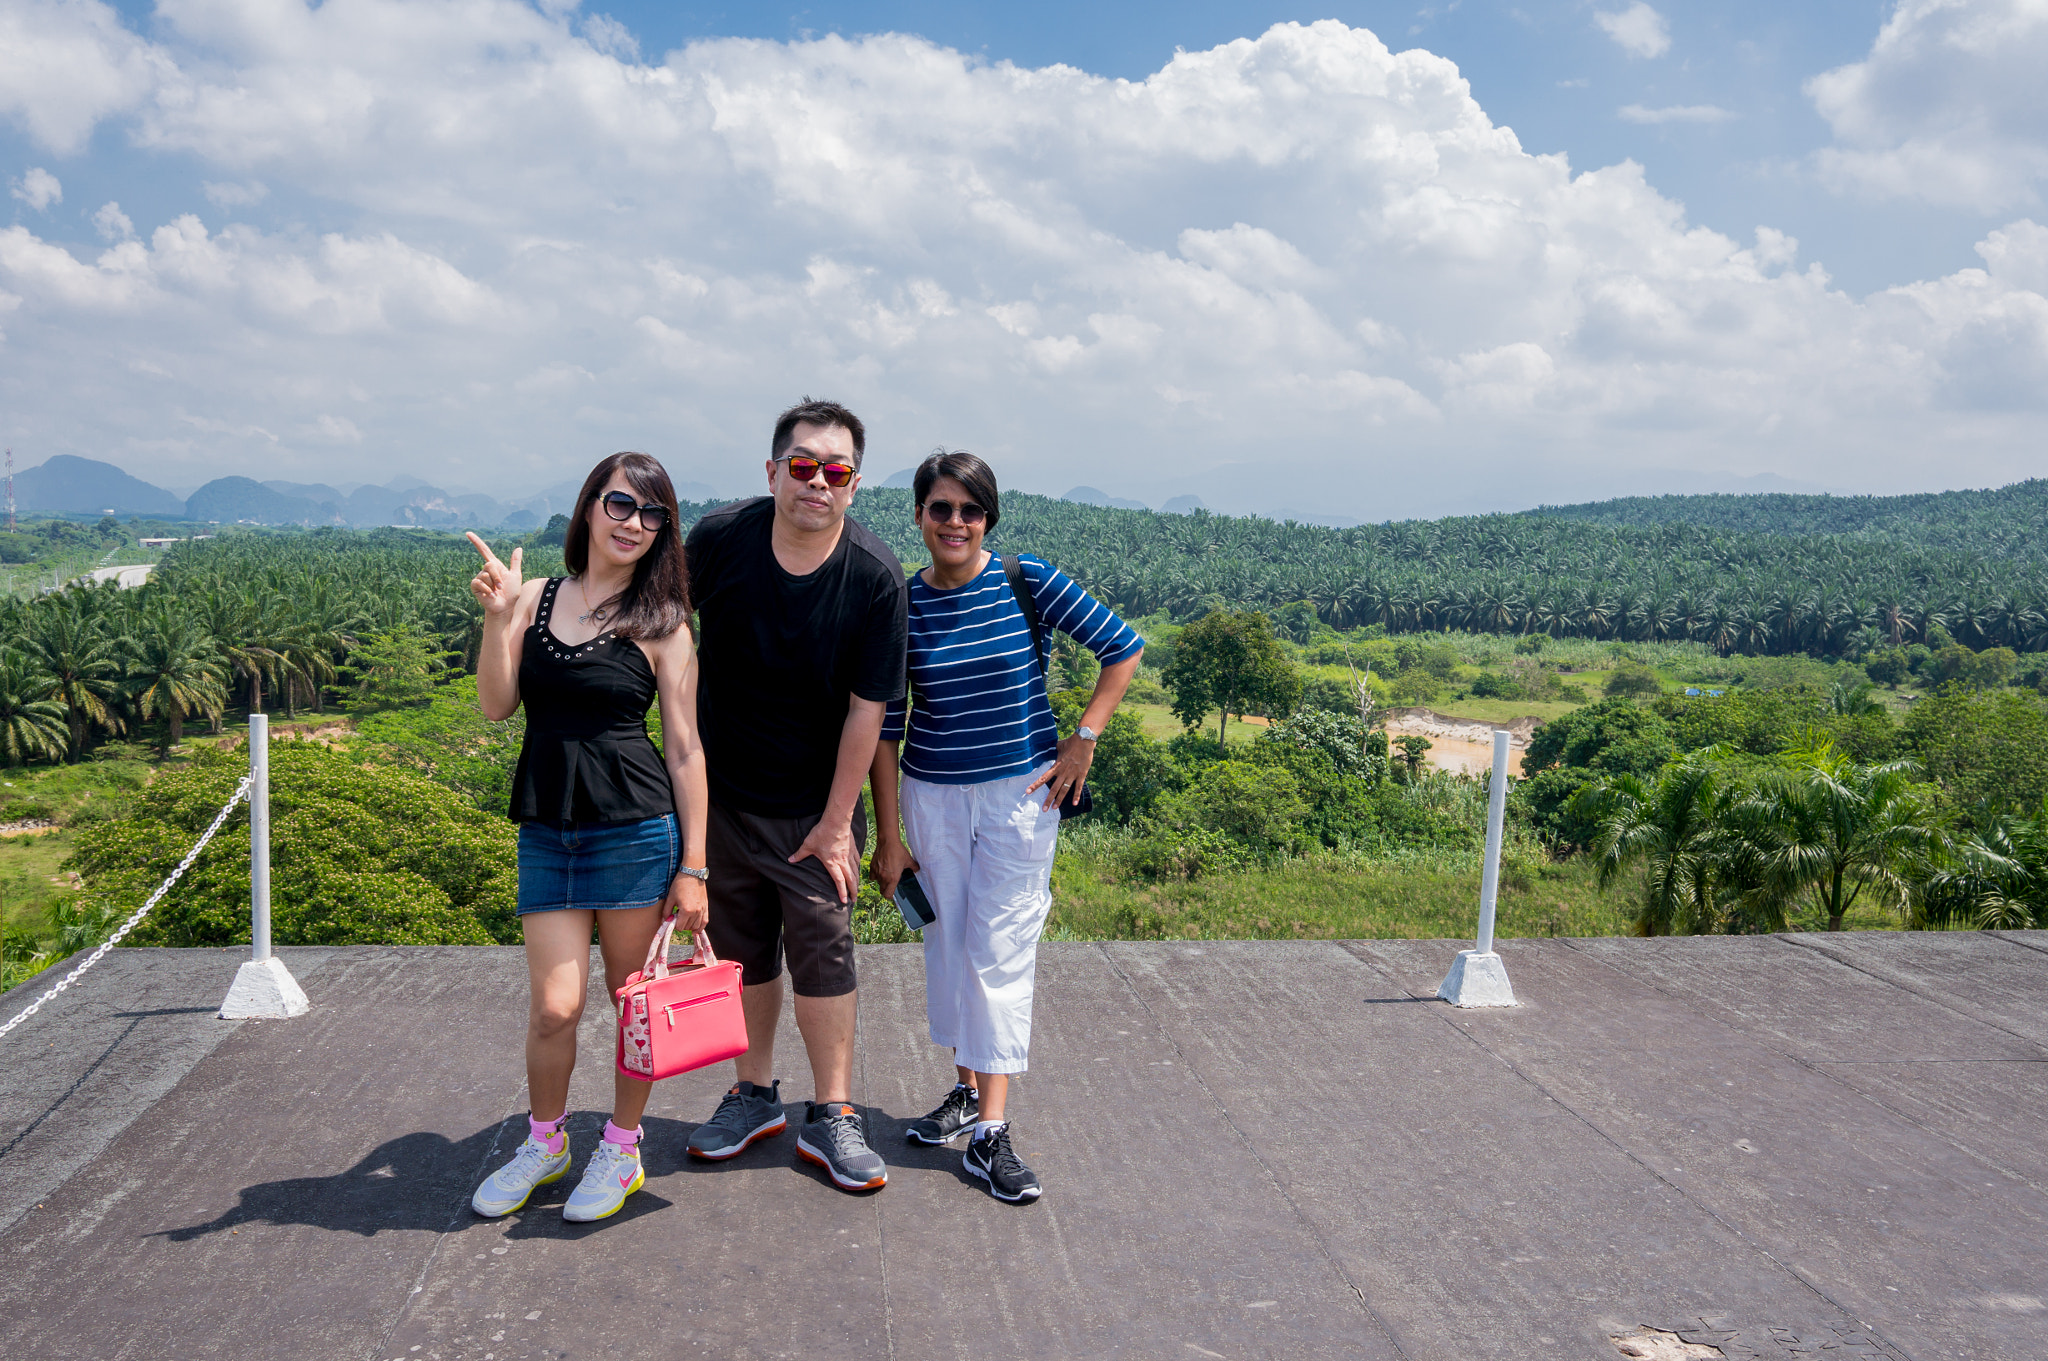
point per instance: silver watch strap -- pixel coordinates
(702, 876)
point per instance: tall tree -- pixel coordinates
(82, 662)
(173, 670)
(1230, 661)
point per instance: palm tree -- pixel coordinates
(84, 667)
(1853, 701)
(1995, 879)
(1828, 831)
(31, 723)
(1672, 829)
(173, 671)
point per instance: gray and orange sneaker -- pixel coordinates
(746, 1113)
(832, 1137)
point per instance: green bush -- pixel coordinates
(1491, 685)
(1982, 748)
(1185, 853)
(1254, 805)
(1633, 680)
(360, 855)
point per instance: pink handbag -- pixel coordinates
(673, 1019)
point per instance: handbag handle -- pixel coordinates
(657, 951)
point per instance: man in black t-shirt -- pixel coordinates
(803, 619)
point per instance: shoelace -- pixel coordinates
(1000, 1158)
(845, 1133)
(606, 1162)
(957, 1103)
(527, 1161)
(733, 1102)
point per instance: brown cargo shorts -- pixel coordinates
(763, 907)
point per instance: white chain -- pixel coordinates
(241, 792)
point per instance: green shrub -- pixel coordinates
(1254, 805)
(1186, 853)
(1491, 685)
(1633, 680)
(359, 855)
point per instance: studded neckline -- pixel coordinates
(555, 646)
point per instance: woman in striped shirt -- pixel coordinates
(983, 775)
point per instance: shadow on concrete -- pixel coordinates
(415, 1181)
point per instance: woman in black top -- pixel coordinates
(611, 830)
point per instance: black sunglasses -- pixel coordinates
(620, 506)
(941, 511)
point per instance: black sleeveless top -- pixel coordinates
(587, 756)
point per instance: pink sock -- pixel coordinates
(549, 1132)
(624, 1138)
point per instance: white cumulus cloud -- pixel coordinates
(1949, 106)
(38, 189)
(1638, 30)
(66, 64)
(112, 224)
(542, 249)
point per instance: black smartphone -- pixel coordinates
(911, 902)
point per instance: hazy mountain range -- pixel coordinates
(68, 485)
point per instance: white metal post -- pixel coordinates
(1496, 816)
(263, 988)
(1477, 977)
(259, 837)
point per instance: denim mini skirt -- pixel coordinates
(604, 866)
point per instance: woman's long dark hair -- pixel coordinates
(656, 602)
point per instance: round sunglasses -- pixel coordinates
(939, 512)
(620, 506)
(804, 469)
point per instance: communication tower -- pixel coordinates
(10, 491)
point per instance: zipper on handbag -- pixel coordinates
(673, 1007)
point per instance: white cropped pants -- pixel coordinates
(985, 856)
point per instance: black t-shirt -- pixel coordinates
(782, 654)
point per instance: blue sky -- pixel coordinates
(491, 238)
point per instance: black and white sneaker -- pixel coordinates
(990, 1158)
(960, 1109)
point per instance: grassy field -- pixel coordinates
(1342, 897)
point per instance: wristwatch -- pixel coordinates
(1087, 734)
(702, 876)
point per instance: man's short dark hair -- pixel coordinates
(966, 469)
(826, 414)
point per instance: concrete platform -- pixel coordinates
(1772, 1146)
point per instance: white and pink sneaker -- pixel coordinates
(614, 1173)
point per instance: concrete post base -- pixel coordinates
(1477, 980)
(264, 990)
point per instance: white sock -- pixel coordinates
(984, 1128)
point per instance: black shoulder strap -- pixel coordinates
(1013, 569)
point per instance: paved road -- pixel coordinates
(1774, 1147)
(128, 577)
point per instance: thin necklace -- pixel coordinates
(595, 612)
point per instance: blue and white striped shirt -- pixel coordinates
(981, 711)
